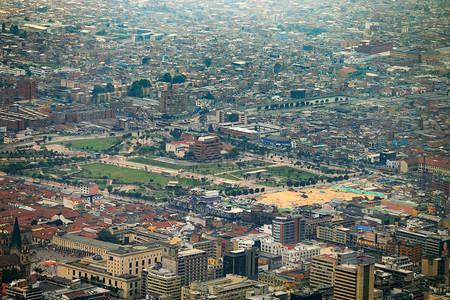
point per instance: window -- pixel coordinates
(137, 263)
(135, 284)
(131, 265)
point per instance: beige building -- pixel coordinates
(231, 287)
(190, 265)
(354, 282)
(132, 260)
(213, 248)
(79, 244)
(322, 270)
(333, 234)
(94, 271)
(119, 268)
(157, 282)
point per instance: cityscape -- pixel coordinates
(254, 150)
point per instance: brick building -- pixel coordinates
(207, 148)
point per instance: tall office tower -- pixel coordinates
(26, 89)
(207, 148)
(158, 281)
(354, 282)
(288, 230)
(241, 262)
(322, 270)
(190, 265)
(172, 102)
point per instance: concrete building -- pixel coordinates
(172, 102)
(354, 282)
(334, 234)
(288, 230)
(241, 262)
(190, 265)
(132, 260)
(207, 148)
(230, 287)
(26, 89)
(90, 188)
(29, 293)
(94, 271)
(82, 245)
(322, 271)
(158, 281)
(437, 267)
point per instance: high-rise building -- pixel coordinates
(191, 265)
(322, 270)
(354, 282)
(26, 89)
(158, 281)
(241, 262)
(230, 287)
(412, 250)
(437, 267)
(172, 102)
(207, 148)
(288, 230)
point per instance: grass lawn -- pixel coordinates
(156, 163)
(291, 173)
(242, 172)
(202, 168)
(94, 144)
(133, 176)
(228, 176)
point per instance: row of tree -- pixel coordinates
(297, 104)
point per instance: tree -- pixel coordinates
(204, 111)
(109, 87)
(14, 29)
(233, 153)
(107, 236)
(145, 60)
(97, 90)
(277, 68)
(176, 133)
(166, 78)
(202, 119)
(135, 90)
(9, 275)
(207, 61)
(145, 83)
(209, 96)
(179, 79)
